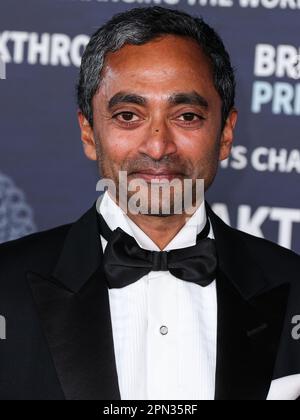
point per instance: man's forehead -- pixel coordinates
(155, 77)
(157, 57)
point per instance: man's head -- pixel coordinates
(156, 95)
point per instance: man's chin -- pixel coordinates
(156, 208)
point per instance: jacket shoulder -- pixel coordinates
(275, 260)
(33, 251)
(261, 249)
(271, 248)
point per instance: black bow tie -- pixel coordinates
(125, 261)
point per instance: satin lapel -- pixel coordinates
(74, 310)
(248, 340)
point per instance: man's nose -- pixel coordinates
(158, 142)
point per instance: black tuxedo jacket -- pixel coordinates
(59, 342)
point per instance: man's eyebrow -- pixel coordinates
(188, 98)
(178, 98)
(126, 97)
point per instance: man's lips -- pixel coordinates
(149, 175)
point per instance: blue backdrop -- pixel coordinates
(45, 180)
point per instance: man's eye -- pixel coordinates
(190, 117)
(125, 116)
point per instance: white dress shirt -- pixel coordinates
(164, 328)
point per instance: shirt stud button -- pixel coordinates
(164, 330)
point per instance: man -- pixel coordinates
(151, 304)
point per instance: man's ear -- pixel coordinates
(87, 137)
(228, 135)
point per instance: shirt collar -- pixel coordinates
(115, 217)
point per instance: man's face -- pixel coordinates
(157, 115)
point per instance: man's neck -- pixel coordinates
(160, 229)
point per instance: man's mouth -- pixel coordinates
(156, 176)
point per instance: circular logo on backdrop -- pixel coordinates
(16, 216)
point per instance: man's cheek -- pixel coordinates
(120, 146)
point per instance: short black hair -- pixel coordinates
(141, 25)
